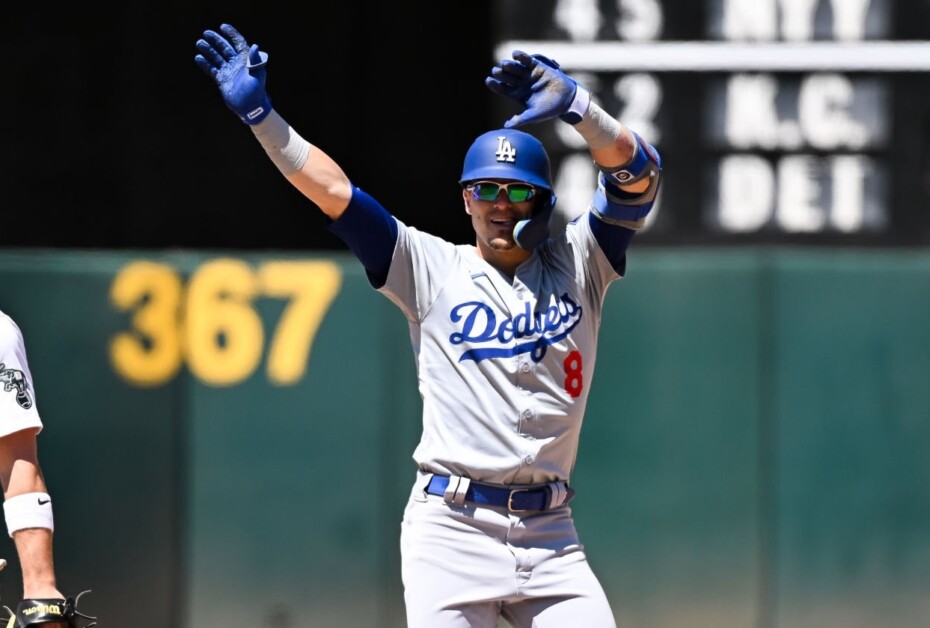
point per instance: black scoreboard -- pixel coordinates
(779, 121)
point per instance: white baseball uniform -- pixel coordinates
(504, 369)
(504, 364)
(17, 398)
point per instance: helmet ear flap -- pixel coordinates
(550, 202)
(528, 234)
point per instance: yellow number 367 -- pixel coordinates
(213, 324)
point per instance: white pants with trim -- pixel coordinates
(466, 566)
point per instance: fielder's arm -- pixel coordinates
(28, 513)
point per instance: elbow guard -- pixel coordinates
(616, 206)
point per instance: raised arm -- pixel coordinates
(240, 72)
(630, 167)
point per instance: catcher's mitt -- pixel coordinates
(44, 611)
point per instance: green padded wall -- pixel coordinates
(109, 451)
(228, 437)
(668, 470)
(852, 401)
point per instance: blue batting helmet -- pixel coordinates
(508, 154)
(512, 154)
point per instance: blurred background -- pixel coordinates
(230, 409)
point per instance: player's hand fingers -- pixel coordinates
(257, 58)
(505, 75)
(513, 122)
(206, 66)
(239, 71)
(517, 93)
(220, 45)
(514, 68)
(524, 59)
(238, 41)
(209, 55)
(498, 87)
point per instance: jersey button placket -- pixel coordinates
(524, 375)
(526, 418)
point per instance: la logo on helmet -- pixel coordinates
(505, 150)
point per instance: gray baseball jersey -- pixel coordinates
(17, 399)
(504, 367)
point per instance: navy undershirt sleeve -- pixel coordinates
(370, 232)
(614, 241)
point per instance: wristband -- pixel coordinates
(29, 510)
(284, 146)
(579, 107)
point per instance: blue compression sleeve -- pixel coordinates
(370, 232)
(614, 241)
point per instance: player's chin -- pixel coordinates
(500, 237)
(502, 243)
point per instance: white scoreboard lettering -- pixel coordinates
(776, 118)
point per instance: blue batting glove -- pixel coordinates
(537, 83)
(239, 71)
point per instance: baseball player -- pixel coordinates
(504, 335)
(27, 505)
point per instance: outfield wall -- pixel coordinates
(229, 436)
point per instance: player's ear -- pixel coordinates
(467, 198)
